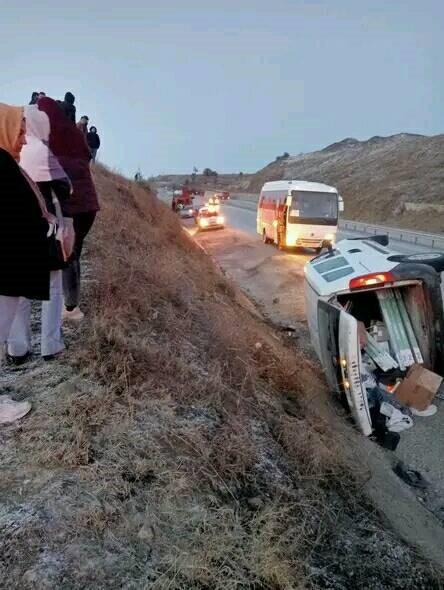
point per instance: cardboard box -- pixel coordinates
(418, 388)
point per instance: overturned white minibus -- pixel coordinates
(362, 283)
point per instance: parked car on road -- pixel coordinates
(186, 211)
(210, 218)
(223, 195)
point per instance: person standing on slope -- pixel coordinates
(93, 140)
(83, 125)
(24, 253)
(34, 98)
(69, 146)
(68, 107)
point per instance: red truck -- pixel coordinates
(181, 198)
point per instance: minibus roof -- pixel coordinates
(332, 272)
(298, 185)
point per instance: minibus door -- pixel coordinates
(341, 356)
(350, 362)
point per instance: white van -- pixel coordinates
(357, 281)
(296, 213)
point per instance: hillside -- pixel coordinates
(397, 180)
(176, 445)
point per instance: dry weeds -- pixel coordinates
(176, 452)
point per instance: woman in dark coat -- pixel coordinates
(24, 253)
(93, 141)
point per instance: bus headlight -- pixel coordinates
(291, 240)
(220, 220)
(203, 222)
(329, 237)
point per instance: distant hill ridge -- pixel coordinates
(352, 142)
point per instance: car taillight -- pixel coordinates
(376, 278)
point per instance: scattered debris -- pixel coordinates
(410, 476)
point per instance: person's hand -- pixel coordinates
(50, 218)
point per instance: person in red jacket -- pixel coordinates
(69, 146)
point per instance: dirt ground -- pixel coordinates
(274, 280)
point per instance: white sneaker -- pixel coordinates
(74, 315)
(10, 411)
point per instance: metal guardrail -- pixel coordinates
(432, 241)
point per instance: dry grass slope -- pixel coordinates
(178, 451)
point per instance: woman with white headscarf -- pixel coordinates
(38, 161)
(24, 256)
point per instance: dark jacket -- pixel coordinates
(93, 140)
(24, 248)
(68, 107)
(68, 145)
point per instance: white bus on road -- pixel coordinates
(296, 213)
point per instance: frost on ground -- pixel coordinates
(169, 450)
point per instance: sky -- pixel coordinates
(172, 84)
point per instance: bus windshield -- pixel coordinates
(313, 208)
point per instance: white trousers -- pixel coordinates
(8, 309)
(51, 341)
